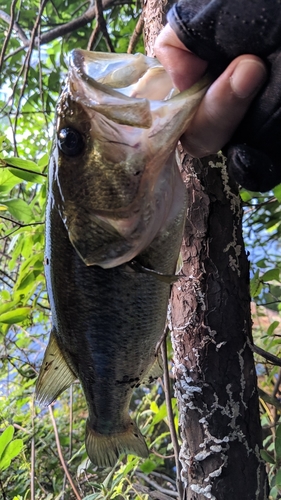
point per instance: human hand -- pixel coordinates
(226, 101)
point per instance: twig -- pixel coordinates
(156, 485)
(32, 458)
(70, 419)
(15, 26)
(28, 58)
(20, 224)
(269, 399)
(5, 282)
(277, 384)
(70, 433)
(2, 490)
(10, 29)
(163, 476)
(267, 355)
(136, 34)
(66, 28)
(7, 275)
(41, 78)
(165, 457)
(170, 414)
(101, 26)
(63, 463)
(93, 37)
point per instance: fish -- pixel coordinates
(114, 222)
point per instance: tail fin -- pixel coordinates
(104, 449)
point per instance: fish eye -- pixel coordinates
(70, 141)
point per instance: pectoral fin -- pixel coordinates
(155, 371)
(165, 278)
(55, 375)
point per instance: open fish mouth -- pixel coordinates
(117, 130)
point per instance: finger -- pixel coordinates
(224, 106)
(184, 68)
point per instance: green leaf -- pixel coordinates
(15, 316)
(148, 466)
(20, 210)
(5, 295)
(267, 457)
(255, 285)
(272, 274)
(5, 439)
(277, 444)
(246, 195)
(25, 169)
(277, 192)
(162, 413)
(27, 176)
(7, 181)
(154, 407)
(278, 478)
(21, 163)
(11, 451)
(43, 162)
(272, 327)
(6, 306)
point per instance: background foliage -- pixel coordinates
(42, 454)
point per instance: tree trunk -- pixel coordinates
(216, 384)
(215, 378)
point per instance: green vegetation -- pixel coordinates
(42, 453)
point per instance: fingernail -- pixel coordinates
(247, 78)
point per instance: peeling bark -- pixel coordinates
(214, 369)
(154, 14)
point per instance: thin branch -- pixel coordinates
(63, 463)
(269, 399)
(41, 78)
(70, 434)
(2, 490)
(70, 419)
(7, 275)
(100, 27)
(277, 384)
(6, 164)
(28, 57)
(32, 457)
(165, 457)
(93, 38)
(170, 413)
(267, 355)
(5, 282)
(156, 485)
(15, 26)
(136, 34)
(10, 29)
(163, 476)
(20, 224)
(65, 29)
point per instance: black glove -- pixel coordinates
(218, 31)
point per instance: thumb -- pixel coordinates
(184, 67)
(224, 106)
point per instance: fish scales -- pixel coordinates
(114, 222)
(109, 321)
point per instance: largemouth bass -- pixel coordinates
(114, 223)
